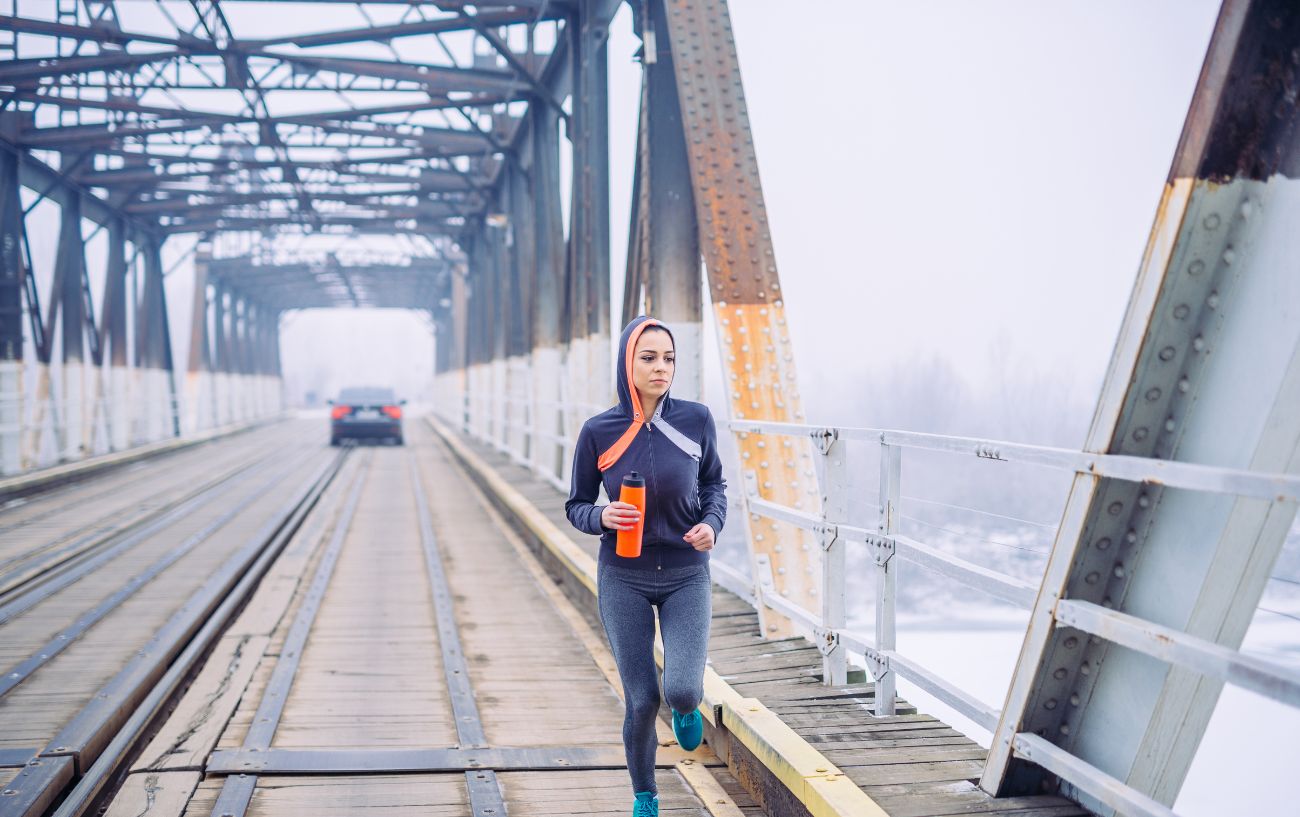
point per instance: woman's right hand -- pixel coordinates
(619, 516)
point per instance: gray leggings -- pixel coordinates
(684, 596)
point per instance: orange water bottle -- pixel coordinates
(633, 493)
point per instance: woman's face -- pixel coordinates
(653, 363)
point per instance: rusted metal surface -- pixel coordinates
(749, 313)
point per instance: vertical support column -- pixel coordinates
(13, 277)
(273, 350)
(891, 483)
(672, 246)
(550, 455)
(114, 323)
(221, 348)
(749, 313)
(519, 342)
(835, 511)
(589, 231)
(461, 320)
(198, 371)
(239, 342)
(498, 254)
(153, 347)
(71, 261)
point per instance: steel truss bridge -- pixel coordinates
(473, 139)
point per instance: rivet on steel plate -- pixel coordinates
(1211, 221)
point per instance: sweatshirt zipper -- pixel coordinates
(659, 555)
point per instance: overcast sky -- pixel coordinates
(964, 183)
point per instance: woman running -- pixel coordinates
(673, 445)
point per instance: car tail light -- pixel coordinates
(340, 412)
(393, 411)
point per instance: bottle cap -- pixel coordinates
(634, 480)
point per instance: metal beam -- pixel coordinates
(1209, 345)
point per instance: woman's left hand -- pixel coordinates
(700, 537)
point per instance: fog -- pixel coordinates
(959, 194)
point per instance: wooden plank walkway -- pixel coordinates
(407, 655)
(910, 764)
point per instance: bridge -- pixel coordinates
(207, 610)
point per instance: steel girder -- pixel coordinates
(1206, 370)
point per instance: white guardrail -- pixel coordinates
(508, 423)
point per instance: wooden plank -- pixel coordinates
(915, 772)
(192, 730)
(154, 794)
(374, 796)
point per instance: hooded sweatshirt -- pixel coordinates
(676, 451)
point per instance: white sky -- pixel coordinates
(972, 184)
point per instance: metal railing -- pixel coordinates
(887, 547)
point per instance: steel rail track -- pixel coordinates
(63, 555)
(126, 470)
(40, 587)
(96, 741)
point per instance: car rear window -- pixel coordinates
(367, 395)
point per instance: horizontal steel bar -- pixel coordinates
(781, 513)
(1268, 678)
(978, 711)
(998, 585)
(733, 580)
(1087, 778)
(10, 758)
(791, 610)
(1170, 474)
(1015, 591)
(392, 761)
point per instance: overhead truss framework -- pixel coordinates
(213, 119)
(204, 124)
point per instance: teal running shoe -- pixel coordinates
(646, 805)
(689, 729)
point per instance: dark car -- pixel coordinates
(366, 413)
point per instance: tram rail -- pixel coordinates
(94, 649)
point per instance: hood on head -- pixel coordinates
(623, 363)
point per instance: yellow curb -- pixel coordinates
(819, 784)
